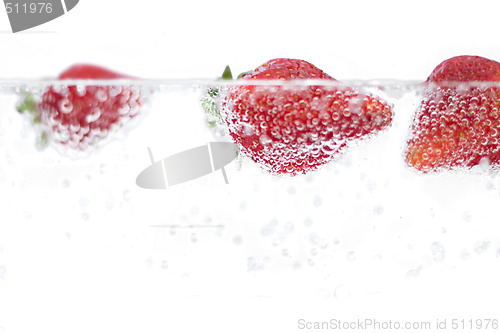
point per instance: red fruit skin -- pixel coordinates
(80, 118)
(286, 69)
(457, 125)
(466, 68)
(91, 72)
(294, 129)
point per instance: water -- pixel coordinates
(363, 227)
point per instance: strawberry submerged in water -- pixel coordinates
(295, 128)
(458, 122)
(79, 116)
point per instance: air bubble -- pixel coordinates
(114, 91)
(124, 109)
(63, 135)
(126, 195)
(93, 115)
(194, 239)
(101, 95)
(219, 230)
(323, 293)
(314, 238)
(247, 129)
(74, 128)
(414, 273)
(268, 229)
(253, 266)
(464, 255)
(490, 186)
(481, 247)
(65, 106)
(323, 244)
(438, 252)
(379, 210)
(237, 240)
(149, 262)
(351, 256)
(484, 163)
(81, 89)
(265, 140)
(356, 103)
(84, 130)
(83, 202)
(467, 217)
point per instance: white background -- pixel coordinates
(46, 280)
(186, 39)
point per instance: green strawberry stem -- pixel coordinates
(210, 106)
(226, 75)
(209, 101)
(28, 105)
(43, 140)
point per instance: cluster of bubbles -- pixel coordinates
(455, 128)
(294, 129)
(253, 265)
(438, 252)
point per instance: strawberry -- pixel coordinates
(457, 123)
(295, 128)
(80, 116)
(466, 69)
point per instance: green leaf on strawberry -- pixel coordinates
(28, 105)
(210, 102)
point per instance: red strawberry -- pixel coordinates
(79, 116)
(466, 69)
(295, 128)
(457, 123)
